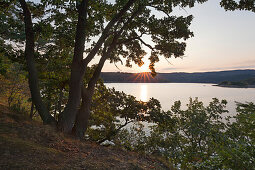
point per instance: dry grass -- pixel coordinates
(26, 144)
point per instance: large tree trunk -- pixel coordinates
(82, 118)
(67, 118)
(83, 115)
(32, 71)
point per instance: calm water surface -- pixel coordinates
(167, 93)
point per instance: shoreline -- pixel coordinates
(235, 86)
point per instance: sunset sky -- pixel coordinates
(223, 41)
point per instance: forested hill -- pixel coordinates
(199, 77)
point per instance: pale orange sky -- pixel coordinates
(223, 41)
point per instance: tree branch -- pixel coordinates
(97, 72)
(130, 39)
(106, 31)
(114, 132)
(157, 8)
(148, 45)
(32, 70)
(80, 31)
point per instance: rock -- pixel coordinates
(107, 143)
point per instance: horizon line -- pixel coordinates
(178, 71)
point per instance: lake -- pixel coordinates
(167, 93)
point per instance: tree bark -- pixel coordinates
(81, 122)
(67, 118)
(79, 65)
(82, 118)
(31, 111)
(59, 105)
(83, 115)
(32, 71)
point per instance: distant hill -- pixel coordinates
(199, 77)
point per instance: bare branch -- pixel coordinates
(112, 46)
(106, 31)
(130, 39)
(148, 45)
(157, 8)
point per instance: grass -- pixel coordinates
(27, 144)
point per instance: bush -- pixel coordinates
(197, 138)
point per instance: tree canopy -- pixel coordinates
(232, 5)
(51, 43)
(62, 37)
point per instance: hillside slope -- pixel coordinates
(26, 144)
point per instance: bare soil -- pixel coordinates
(27, 144)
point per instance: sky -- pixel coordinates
(223, 40)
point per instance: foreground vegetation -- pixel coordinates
(199, 137)
(45, 73)
(58, 40)
(63, 37)
(27, 144)
(195, 137)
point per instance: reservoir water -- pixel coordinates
(167, 93)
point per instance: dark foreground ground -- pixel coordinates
(26, 144)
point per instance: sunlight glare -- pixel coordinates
(143, 94)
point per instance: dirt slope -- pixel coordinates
(26, 144)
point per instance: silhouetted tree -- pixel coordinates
(232, 5)
(122, 29)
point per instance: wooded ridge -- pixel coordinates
(178, 77)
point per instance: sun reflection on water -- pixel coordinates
(143, 93)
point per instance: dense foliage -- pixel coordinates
(200, 137)
(13, 80)
(51, 35)
(59, 39)
(232, 5)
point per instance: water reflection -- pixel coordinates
(143, 93)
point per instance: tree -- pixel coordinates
(29, 53)
(112, 111)
(121, 30)
(198, 137)
(132, 22)
(232, 5)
